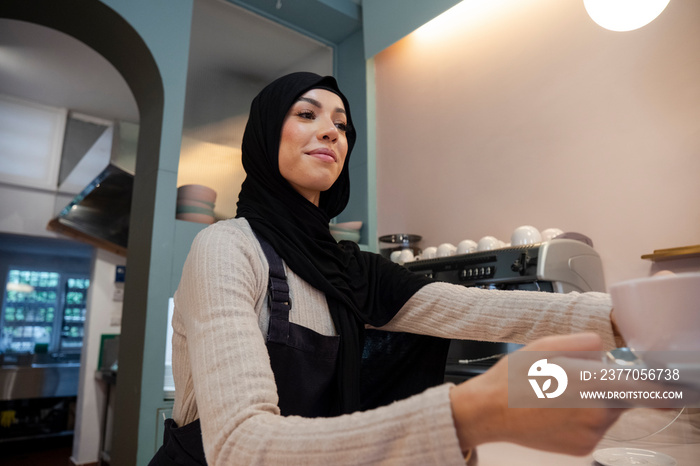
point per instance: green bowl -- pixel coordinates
(348, 236)
(186, 209)
(343, 230)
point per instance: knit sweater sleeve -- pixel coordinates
(223, 377)
(454, 311)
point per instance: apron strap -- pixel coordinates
(278, 295)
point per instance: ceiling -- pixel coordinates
(46, 66)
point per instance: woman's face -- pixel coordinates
(313, 144)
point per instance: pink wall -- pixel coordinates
(530, 113)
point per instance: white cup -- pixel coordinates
(659, 313)
(429, 253)
(406, 255)
(446, 250)
(525, 235)
(466, 246)
(488, 243)
(550, 233)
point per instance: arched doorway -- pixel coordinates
(109, 34)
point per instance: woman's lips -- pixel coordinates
(323, 154)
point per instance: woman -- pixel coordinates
(270, 312)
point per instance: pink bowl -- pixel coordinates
(196, 192)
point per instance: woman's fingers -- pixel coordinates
(573, 342)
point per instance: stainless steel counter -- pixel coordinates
(39, 381)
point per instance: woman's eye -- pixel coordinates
(342, 126)
(307, 114)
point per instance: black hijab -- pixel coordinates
(360, 288)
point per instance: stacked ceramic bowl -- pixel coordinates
(195, 203)
(349, 231)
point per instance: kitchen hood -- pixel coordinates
(99, 213)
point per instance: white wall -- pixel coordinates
(103, 317)
(32, 139)
(27, 211)
(527, 112)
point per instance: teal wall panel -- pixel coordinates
(351, 75)
(386, 21)
(330, 21)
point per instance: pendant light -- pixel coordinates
(624, 15)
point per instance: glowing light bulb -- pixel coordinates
(624, 15)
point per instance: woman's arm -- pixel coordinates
(454, 311)
(228, 369)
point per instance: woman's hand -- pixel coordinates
(481, 413)
(619, 341)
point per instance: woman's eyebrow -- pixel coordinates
(317, 104)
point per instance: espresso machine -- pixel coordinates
(554, 266)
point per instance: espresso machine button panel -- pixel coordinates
(476, 273)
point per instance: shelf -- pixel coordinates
(35, 437)
(684, 252)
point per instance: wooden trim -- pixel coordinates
(55, 226)
(683, 252)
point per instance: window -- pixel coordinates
(45, 282)
(43, 311)
(31, 137)
(30, 308)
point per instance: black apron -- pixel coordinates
(303, 362)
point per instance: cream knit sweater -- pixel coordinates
(223, 376)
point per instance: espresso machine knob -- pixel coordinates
(521, 264)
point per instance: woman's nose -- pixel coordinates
(328, 131)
